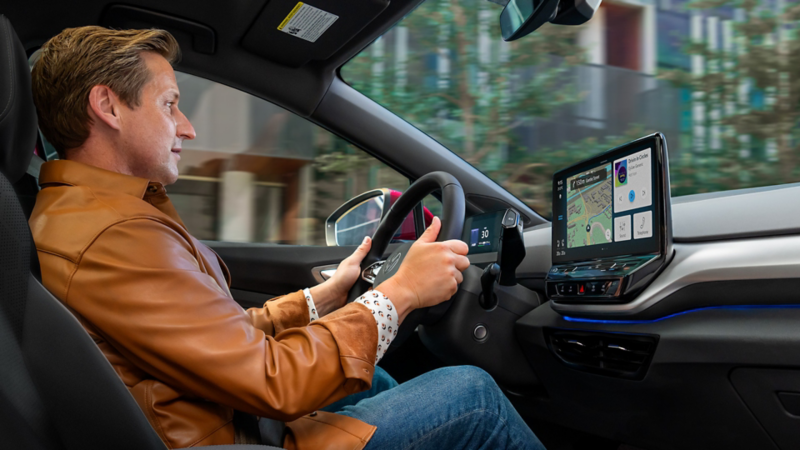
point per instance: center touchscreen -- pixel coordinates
(608, 206)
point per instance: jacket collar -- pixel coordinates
(71, 173)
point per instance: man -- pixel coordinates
(157, 303)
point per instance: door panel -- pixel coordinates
(262, 271)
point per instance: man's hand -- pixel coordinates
(429, 274)
(332, 294)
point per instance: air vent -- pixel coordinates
(618, 355)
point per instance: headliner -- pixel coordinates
(297, 89)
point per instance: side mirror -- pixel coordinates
(361, 215)
(357, 218)
(522, 17)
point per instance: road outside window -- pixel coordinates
(720, 79)
(258, 173)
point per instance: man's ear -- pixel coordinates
(104, 105)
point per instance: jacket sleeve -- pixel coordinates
(140, 285)
(279, 314)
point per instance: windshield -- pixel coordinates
(719, 78)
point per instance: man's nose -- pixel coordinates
(184, 128)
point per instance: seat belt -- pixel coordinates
(34, 167)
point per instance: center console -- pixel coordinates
(612, 227)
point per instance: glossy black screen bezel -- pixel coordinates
(662, 233)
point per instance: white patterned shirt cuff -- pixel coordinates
(385, 317)
(312, 309)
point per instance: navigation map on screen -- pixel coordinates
(589, 201)
(606, 206)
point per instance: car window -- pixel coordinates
(719, 79)
(259, 173)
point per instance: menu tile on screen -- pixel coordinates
(643, 225)
(622, 228)
(632, 181)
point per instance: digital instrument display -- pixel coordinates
(482, 233)
(609, 205)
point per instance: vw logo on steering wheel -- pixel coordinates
(392, 262)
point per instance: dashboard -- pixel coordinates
(718, 318)
(707, 346)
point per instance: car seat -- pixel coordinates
(57, 390)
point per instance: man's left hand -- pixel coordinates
(332, 294)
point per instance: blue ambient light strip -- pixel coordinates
(634, 322)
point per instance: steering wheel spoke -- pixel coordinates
(372, 271)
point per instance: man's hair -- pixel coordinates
(76, 60)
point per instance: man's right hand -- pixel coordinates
(429, 274)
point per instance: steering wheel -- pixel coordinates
(453, 207)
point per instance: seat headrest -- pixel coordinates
(18, 122)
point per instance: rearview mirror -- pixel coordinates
(522, 17)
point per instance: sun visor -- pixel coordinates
(293, 33)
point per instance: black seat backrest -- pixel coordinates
(57, 390)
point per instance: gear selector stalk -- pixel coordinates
(490, 274)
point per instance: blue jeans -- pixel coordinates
(448, 408)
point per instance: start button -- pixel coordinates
(480, 332)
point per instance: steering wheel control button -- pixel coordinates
(480, 333)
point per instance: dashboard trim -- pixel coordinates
(670, 316)
(747, 259)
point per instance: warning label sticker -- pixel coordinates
(307, 22)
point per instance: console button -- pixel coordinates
(561, 288)
(569, 288)
(480, 332)
(581, 288)
(612, 288)
(595, 288)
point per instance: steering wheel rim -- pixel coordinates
(453, 213)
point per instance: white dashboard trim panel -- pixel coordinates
(747, 259)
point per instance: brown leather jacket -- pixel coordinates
(157, 303)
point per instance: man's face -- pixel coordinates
(152, 133)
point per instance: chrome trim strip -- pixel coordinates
(321, 273)
(747, 259)
(371, 272)
(328, 273)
